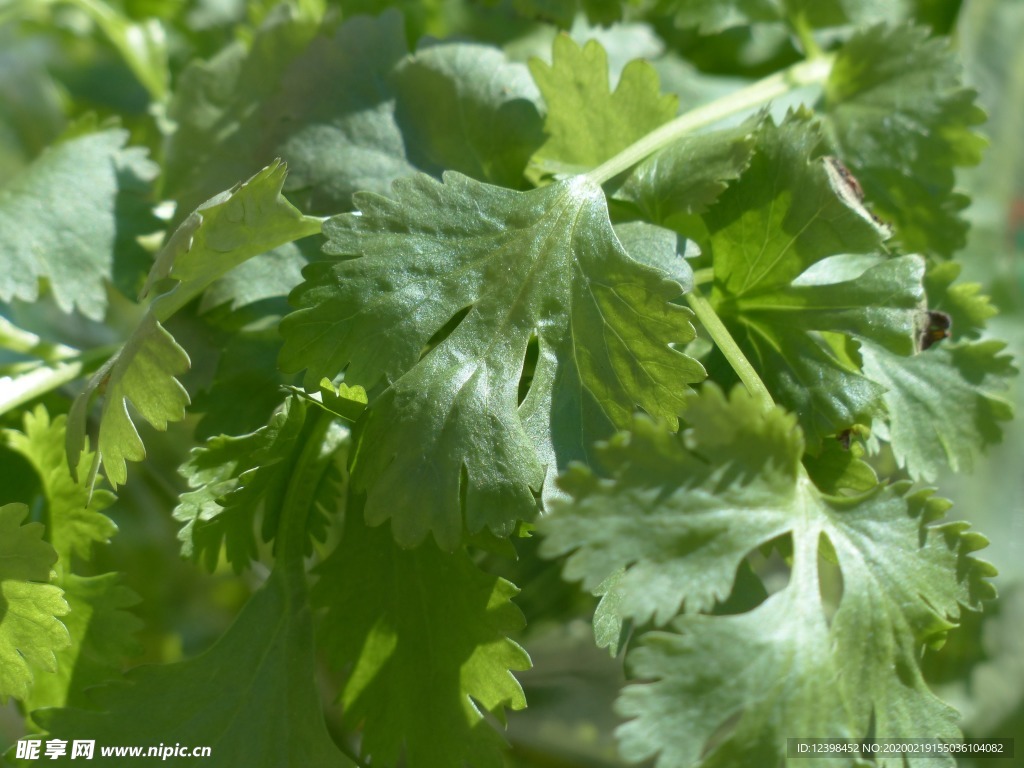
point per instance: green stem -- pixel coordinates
(757, 94)
(805, 34)
(27, 386)
(727, 344)
(703, 276)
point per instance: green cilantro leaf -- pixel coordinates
(456, 629)
(466, 108)
(681, 513)
(656, 247)
(677, 559)
(906, 161)
(247, 362)
(222, 233)
(142, 372)
(840, 467)
(100, 629)
(449, 431)
(71, 218)
(30, 632)
(945, 404)
(102, 634)
(966, 306)
(270, 275)
(230, 698)
(345, 108)
(687, 176)
(229, 229)
(587, 122)
(234, 477)
(785, 215)
(75, 518)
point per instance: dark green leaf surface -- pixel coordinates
(71, 218)
(251, 697)
(688, 176)
(30, 632)
(349, 110)
(235, 477)
(782, 217)
(428, 653)
(946, 404)
(247, 363)
(906, 161)
(587, 122)
(680, 515)
(544, 262)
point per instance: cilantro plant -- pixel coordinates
(370, 313)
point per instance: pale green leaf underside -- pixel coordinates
(543, 263)
(69, 214)
(230, 228)
(101, 630)
(102, 636)
(222, 233)
(587, 122)
(946, 404)
(681, 522)
(428, 652)
(30, 632)
(76, 519)
(142, 372)
(232, 698)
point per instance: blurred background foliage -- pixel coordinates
(119, 59)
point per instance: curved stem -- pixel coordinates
(801, 74)
(727, 344)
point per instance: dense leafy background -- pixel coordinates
(196, 563)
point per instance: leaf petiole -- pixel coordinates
(727, 344)
(804, 73)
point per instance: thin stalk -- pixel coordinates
(797, 76)
(805, 34)
(27, 386)
(703, 276)
(727, 344)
